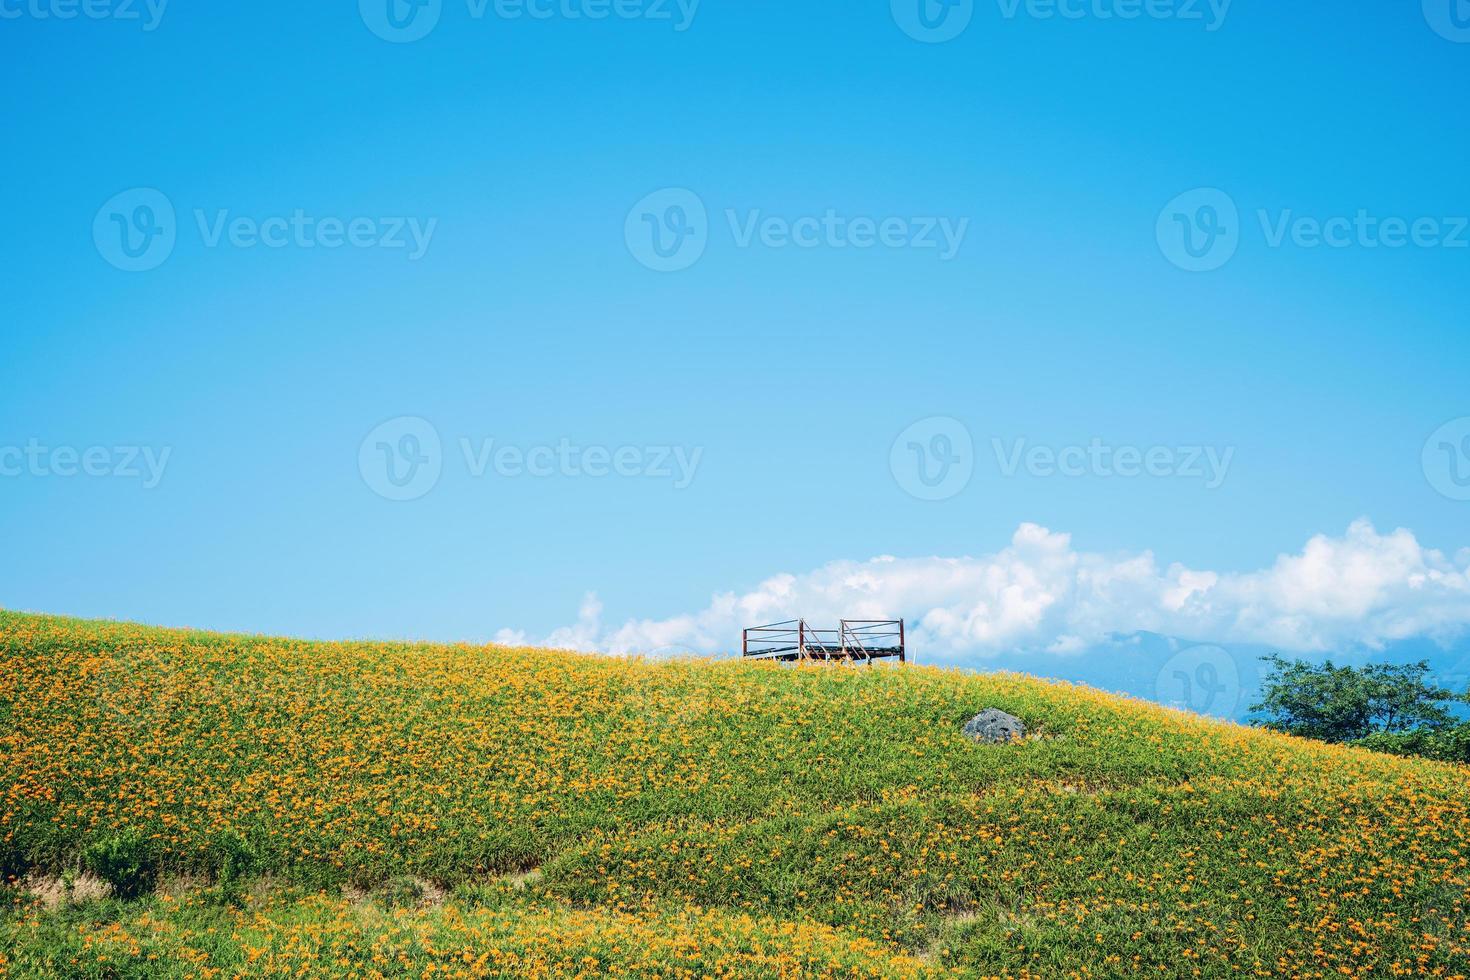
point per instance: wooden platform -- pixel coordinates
(854, 641)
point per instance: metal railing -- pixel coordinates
(854, 639)
(863, 637)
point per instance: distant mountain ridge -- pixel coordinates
(1221, 680)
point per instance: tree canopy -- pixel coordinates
(1342, 704)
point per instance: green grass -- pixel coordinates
(715, 818)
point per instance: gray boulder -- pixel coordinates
(994, 725)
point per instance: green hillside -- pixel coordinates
(285, 808)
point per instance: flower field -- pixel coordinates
(372, 810)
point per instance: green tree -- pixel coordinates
(1445, 744)
(1342, 704)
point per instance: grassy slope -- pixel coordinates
(722, 819)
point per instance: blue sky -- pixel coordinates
(529, 153)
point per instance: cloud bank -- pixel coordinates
(1360, 590)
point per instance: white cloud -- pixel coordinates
(584, 635)
(1363, 589)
